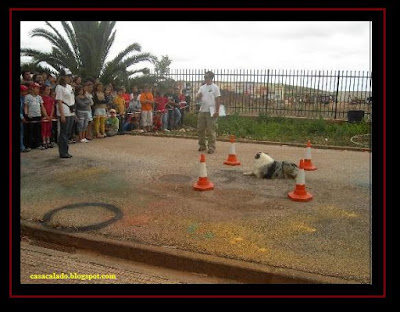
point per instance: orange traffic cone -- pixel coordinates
(232, 160)
(300, 193)
(203, 184)
(308, 165)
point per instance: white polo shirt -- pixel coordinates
(65, 94)
(208, 95)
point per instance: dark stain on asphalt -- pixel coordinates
(117, 216)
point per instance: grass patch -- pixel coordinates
(289, 130)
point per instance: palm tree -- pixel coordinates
(85, 49)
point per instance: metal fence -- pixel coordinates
(288, 93)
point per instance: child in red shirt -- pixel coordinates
(161, 101)
(46, 124)
(126, 97)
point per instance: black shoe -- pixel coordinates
(66, 156)
(201, 149)
(210, 151)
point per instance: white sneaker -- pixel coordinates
(166, 130)
(85, 141)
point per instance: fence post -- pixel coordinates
(337, 93)
(266, 102)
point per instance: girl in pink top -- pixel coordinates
(48, 103)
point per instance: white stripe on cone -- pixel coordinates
(232, 149)
(301, 177)
(203, 170)
(308, 153)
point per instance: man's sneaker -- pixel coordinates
(210, 151)
(42, 147)
(49, 145)
(201, 149)
(166, 130)
(26, 150)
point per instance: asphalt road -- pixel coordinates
(149, 180)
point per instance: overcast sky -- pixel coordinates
(241, 45)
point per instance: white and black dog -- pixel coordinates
(265, 167)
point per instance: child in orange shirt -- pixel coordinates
(119, 102)
(147, 101)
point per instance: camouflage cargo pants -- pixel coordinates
(207, 129)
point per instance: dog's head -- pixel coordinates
(263, 158)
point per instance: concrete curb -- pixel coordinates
(241, 271)
(333, 147)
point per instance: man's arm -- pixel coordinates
(61, 110)
(217, 103)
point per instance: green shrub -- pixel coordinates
(291, 130)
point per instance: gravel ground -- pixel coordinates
(150, 180)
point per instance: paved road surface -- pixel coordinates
(149, 180)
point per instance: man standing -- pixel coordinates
(65, 102)
(208, 94)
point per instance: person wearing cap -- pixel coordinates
(23, 93)
(112, 123)
(209, 95)
(34, 110)
(51, 81)
(65, 112)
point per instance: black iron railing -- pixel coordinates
(290, 93)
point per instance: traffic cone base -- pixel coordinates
(232, 160)
(300, 194)
(308, 165)
(203, 185)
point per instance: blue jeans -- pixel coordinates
(178, 116)
(65, 130)
(22, 146)
(164, 120)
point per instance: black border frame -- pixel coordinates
(378, 289)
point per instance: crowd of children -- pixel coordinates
(99, 111)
